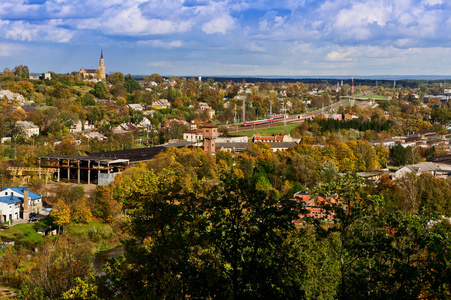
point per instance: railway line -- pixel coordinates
(295, 119)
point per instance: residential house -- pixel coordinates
(175, 121)
(10, 97)
(193, 135)
(28, 129)
(350, 116)
(160, 104)
(80, 126)
(232, 139)
(337, 117)
(314, 206)
(272, 139)
(435, 169)
(240, 147)
(18, 202)
(124, 128)
(137, 107)
(95, 135)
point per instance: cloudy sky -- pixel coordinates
(229, 37)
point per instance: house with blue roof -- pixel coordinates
(18, 203)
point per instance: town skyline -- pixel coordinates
(229, 38)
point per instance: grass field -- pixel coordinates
(372, 96)
(24, 233)
(279, 130)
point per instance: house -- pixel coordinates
(145, 123)
(272, 139)
(314, 206)
(175, 121)
(193, 135)
(28, 129)
(137, 107)
(435, 169)
(161, 104)
(81, 126)
(94, 134)
(236, 147)
(350, 116)
(10, 97)
(18, 202)
(124, 128)
(232, 139)
(337, 117)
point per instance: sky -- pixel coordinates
(229, 37)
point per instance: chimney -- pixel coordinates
(26, 210)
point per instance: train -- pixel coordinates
(265, 121)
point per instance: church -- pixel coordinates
(94, 73)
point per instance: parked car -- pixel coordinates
(33, 220)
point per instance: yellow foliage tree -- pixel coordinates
(81, 213)
(61, 213)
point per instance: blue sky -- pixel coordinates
(231, 37)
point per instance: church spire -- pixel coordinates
(101, 53)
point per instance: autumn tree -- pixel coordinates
(61, 214)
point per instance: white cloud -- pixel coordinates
(24, 31)
(221, 24)
(162, 44)
(432, 2)
(337, 56)
(8, 49)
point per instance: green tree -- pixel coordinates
(398, 155)
(100, 90)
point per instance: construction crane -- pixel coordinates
(19, 171)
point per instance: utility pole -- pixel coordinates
(244, 110)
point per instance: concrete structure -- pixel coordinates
(83, 168)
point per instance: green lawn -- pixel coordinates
(25, 233)
(79, 229)
(279, 130)
(372, 96)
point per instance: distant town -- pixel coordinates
(332, 188)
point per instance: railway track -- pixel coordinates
(289, 121)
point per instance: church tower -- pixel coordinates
(101, 70)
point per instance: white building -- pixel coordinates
(18, 202)
(28, 128)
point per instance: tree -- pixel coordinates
(132, 85)
(81, 213)
(22, 72)
(57, 266)
(61, 214)
(116, 78)
(398, 155)
(100, 90)
(213, 240)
